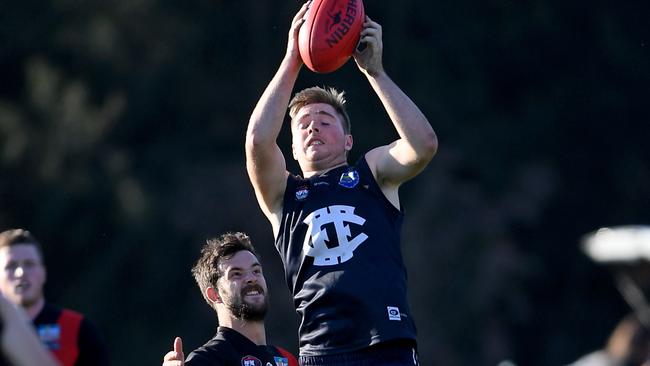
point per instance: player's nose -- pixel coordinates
(313, 126)
(19, 271)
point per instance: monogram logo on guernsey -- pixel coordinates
(251, 361)
(338, 248)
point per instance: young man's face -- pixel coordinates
(23, 274)
(318, 137)
(242, 287)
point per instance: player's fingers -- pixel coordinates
(298, 20)
(301, 13)
(367, 22)
(178, 345)
(373, 28)
(368, 41)
(171, 356)
(371, 37)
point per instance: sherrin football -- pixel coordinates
(330, 33)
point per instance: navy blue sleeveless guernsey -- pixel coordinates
(339, 240)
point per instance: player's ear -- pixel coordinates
(293, 152)
(213, 295)
(348, 142)
(293, 145)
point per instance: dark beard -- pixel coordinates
(246, 311)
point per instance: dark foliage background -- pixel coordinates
(121, 147)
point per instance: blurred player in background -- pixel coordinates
(69, 335)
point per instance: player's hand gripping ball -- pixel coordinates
(330, 33)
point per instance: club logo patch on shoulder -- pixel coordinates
(251, 361)
(302, 192)
(394, 313)
(50, 335)
(281, 361)
(349, 179)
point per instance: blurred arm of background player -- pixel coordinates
(18, 341)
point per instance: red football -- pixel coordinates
(330, 33)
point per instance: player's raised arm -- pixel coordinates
(417, 144)
(264, 160)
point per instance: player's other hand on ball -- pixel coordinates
(368, 54)
(297, 22)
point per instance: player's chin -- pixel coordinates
(27, 301)
(313, 150)
(254, 311)
(317, 153)
(255, 299)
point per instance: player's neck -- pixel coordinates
(34, 309)
(313, 171)
(253, 330)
